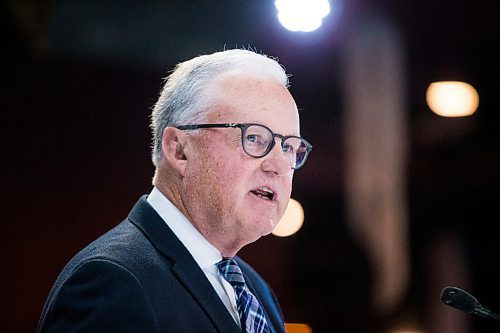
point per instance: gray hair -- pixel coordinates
(183, 100)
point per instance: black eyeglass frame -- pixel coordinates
(243, 127)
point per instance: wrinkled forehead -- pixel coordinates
(243, 97)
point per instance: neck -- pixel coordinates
(225, 243)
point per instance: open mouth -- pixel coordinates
(264, 193)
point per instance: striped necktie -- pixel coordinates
(251, 314)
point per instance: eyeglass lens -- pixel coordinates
(258, 142)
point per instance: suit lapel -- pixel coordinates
(197, 284)
(184, 266)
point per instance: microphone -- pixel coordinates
(462, 300)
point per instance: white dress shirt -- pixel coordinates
(204, 253)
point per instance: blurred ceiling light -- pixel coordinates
(302, 15)
(291, 221)
(452, 98)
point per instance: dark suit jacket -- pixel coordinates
(139, 277)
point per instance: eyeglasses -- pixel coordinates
(258, 140)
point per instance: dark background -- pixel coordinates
(80, 78)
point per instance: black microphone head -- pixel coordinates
(459, 299)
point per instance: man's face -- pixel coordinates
(225, 189)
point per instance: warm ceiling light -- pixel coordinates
(291, 221)
(302, 15)
(452, 98)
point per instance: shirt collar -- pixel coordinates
(203, 252)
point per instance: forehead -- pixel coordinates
(242, 97)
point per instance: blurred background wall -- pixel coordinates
(399, 202)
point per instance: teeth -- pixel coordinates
(265, 189)
(264, 192)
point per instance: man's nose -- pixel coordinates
(276, 160)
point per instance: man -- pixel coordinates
(226, 144)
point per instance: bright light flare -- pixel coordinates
(291, 221)
(302, 15)
(452, 98)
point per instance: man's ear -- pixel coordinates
(173, 145)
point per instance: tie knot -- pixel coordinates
(230, 270)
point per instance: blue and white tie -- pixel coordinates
(251, 314)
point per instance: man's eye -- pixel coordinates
(287, 148)
(256, 139)
(252, 138)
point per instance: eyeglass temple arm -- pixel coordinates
(196, 126)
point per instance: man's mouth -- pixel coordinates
(264, 193)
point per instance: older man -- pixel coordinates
(226, 144)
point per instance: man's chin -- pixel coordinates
(267, 227)
(256, 231)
